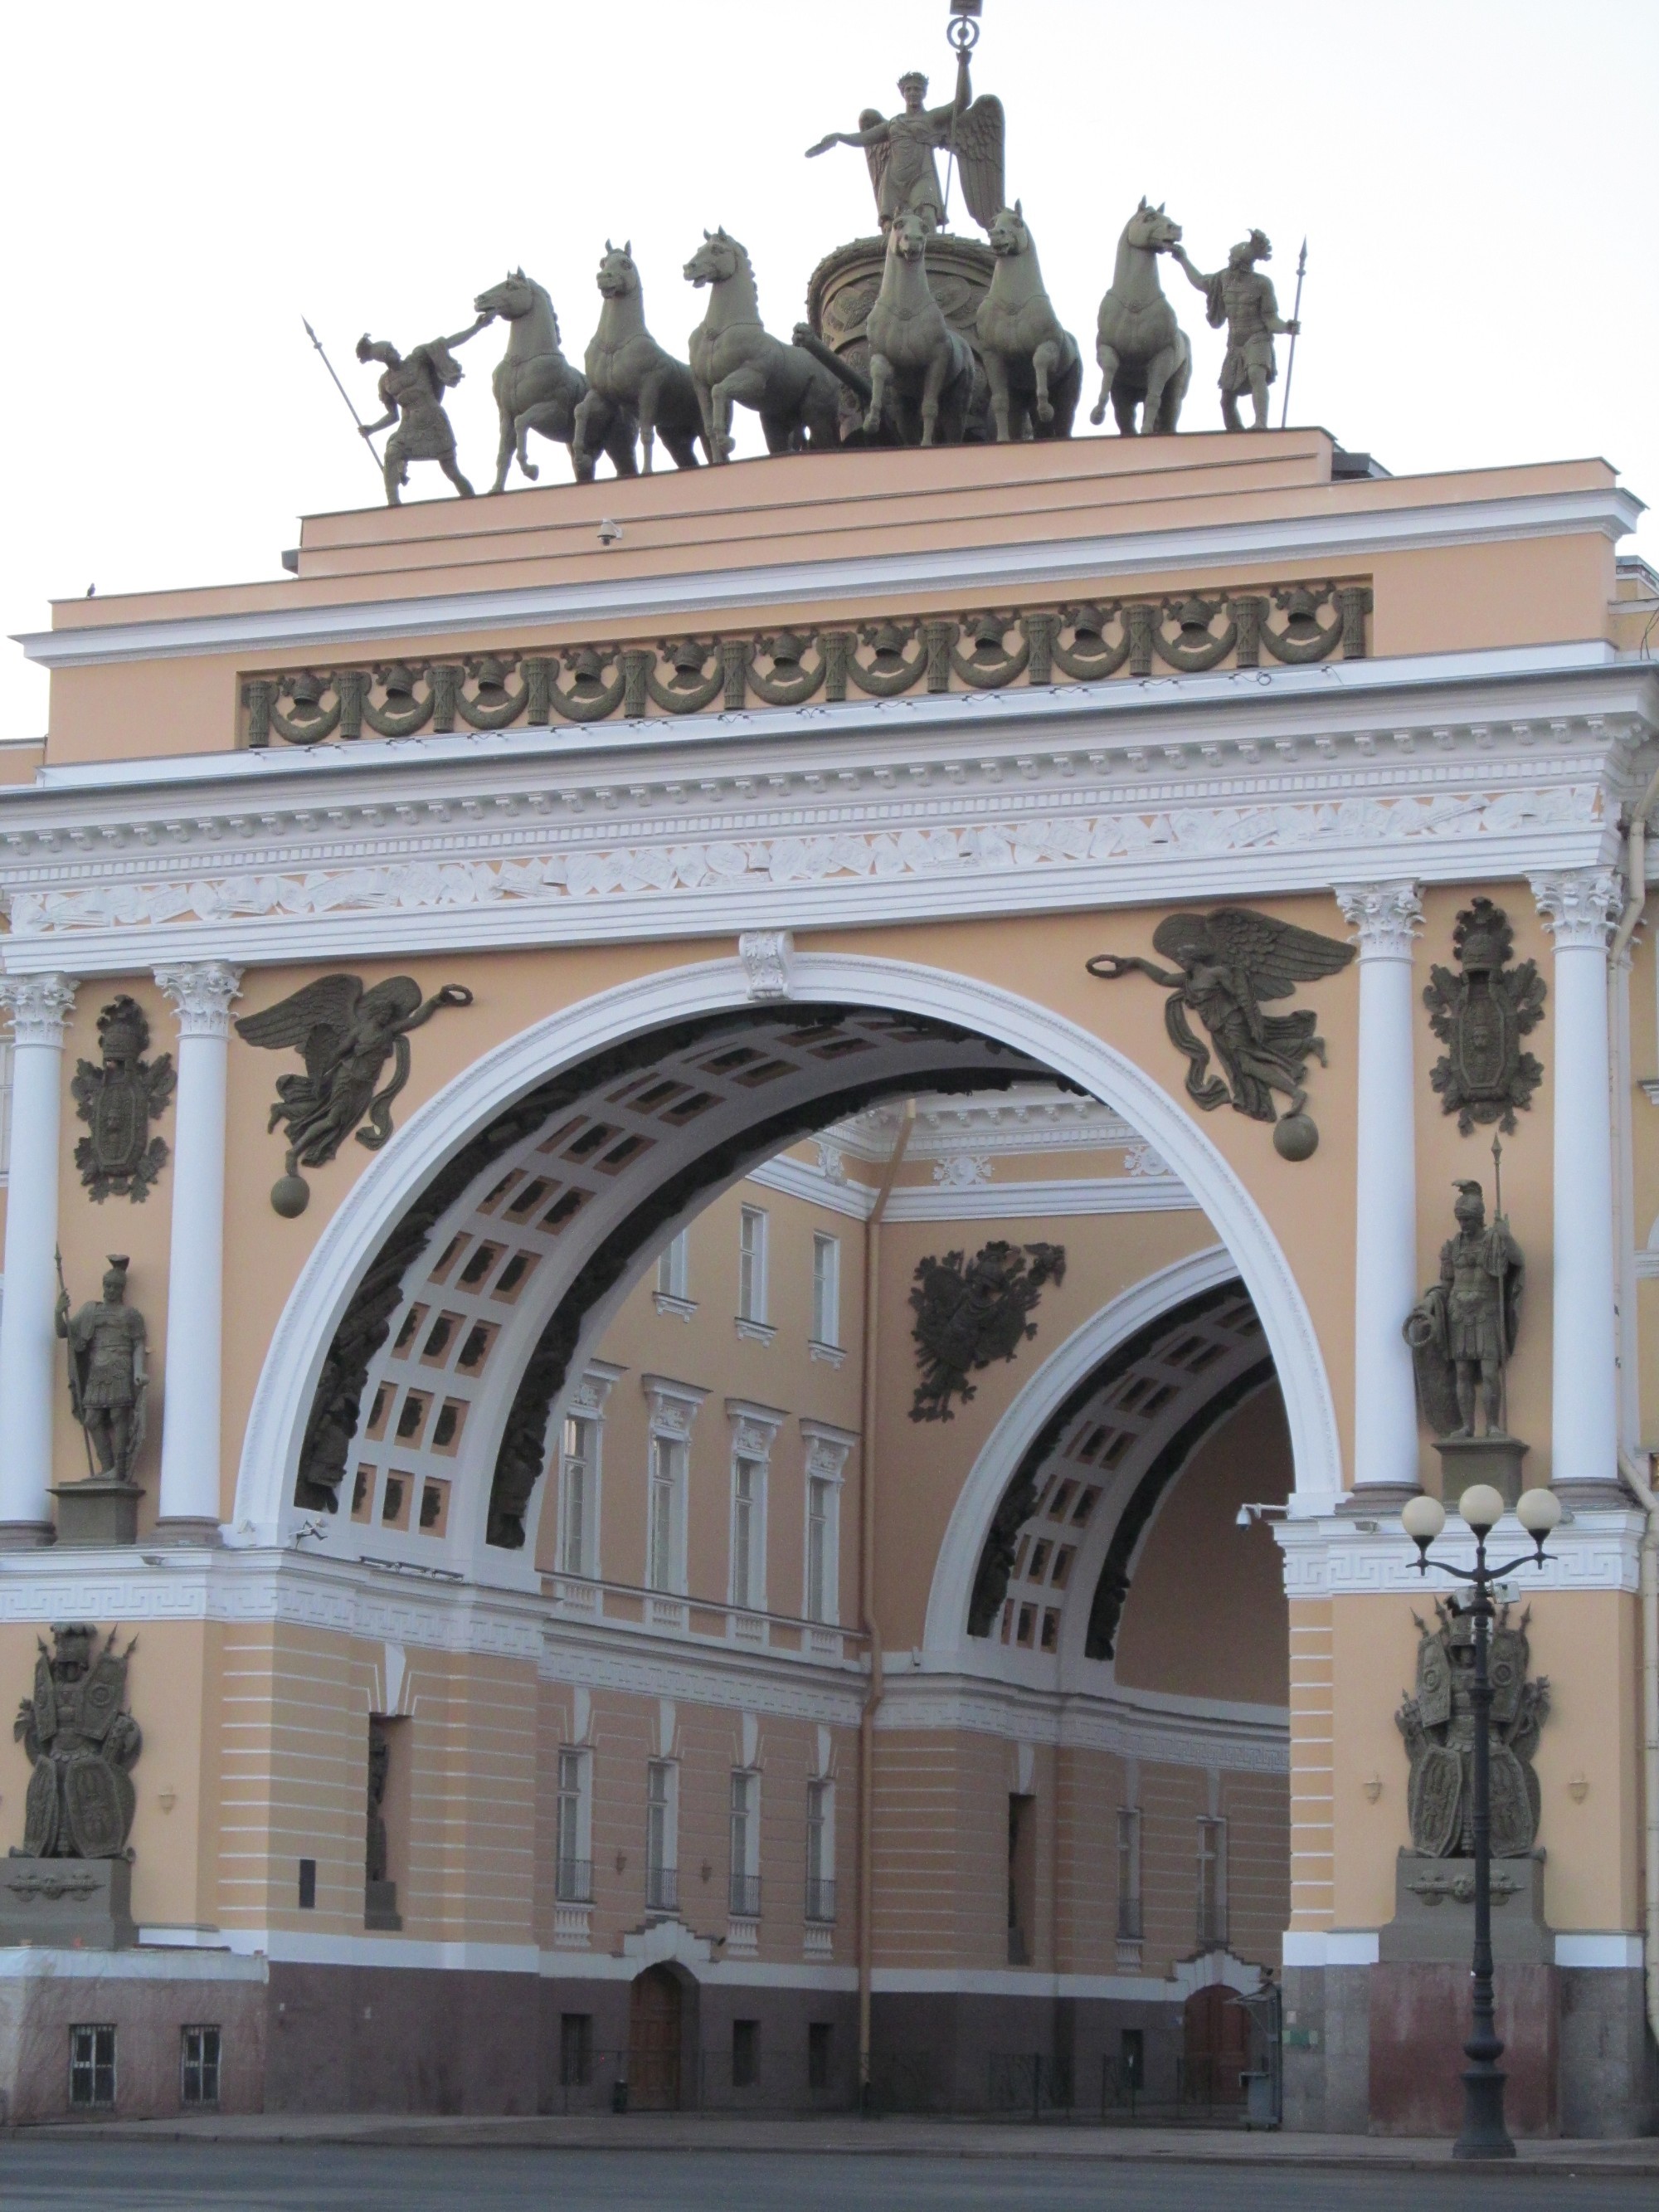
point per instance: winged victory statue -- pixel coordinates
(901, 150)
(1228, 962)
(346, 1036)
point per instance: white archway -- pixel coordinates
(263, 1511)
(946, 1635)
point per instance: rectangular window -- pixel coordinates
(823, 1514)
(573, 1863)
(752, 1265)
(198, 2066)
(575, 2050)
(821, 1850)
(748, 1533)
(1128, 1874)
(662, 1892)
(662, 1562)
(826, 1289)
(820, 2043)
(579, 1478)
(674, 1269)
(745, 2054)
(307, 1885)
(745, 1899)
(1212, 1884)
(92, 2068)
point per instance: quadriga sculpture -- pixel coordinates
(626, 369)
(1031, 362)
(736, 362)
(537, 389)
(1144, 359)
(917, 361)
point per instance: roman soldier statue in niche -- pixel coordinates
(118, 1099)
(1437, 1725)
(80, 1744)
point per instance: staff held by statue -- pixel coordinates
(362, 427)
(1296, 332)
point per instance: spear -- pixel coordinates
(358, 419)
(74, 1381)
(1295, 316)
(1502, 1317)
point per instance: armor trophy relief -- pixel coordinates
(913, 335)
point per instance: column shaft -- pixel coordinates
(40, 1005)
(1385, 1443)
(1578, 909)
(190, 1498)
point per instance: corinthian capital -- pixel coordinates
(1579, 906)
(201, 992)
(39, 1007)
(1386, 915)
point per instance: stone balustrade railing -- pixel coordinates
(1291, 623)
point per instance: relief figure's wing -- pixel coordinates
(980, 134)
(331, 1003)
(1276, 955)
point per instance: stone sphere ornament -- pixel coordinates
(290, 1194)
(1296, 1138)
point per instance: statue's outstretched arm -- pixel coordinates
(1108, 967)
(876, 135)
(1195, 278)
(470, 331)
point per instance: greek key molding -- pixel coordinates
(1386, 916)
(1597, 1550)
(39, 1007)
(1579, 906)
(202, 993)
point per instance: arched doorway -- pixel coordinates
(1216, 2047)
(656, 2029)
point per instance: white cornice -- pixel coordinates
(1010, 1201)
(1324, 540)
(1195, 1732)
(1597, 1549)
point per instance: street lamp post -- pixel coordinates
(1484, 2134)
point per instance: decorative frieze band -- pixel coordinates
(1293, 624)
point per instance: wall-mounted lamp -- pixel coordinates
(1248, 1514)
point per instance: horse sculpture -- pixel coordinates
(627, 369)
(916, 359)
(735, 362)
(1144, 359)
(537, 389)
(1031, 363)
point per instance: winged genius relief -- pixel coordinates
(346, 1035)
(1228, 962)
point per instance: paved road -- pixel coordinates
(39, 2176)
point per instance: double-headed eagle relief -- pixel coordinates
(346, 1035)
(118, 1099)
(1437, 1724)
(969, 1312)
(1229, 962)
(1480, 1016)
(918, 336)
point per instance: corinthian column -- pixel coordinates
(1578, 908)
(1386, 916)
(189, 1507)
(40, 1005)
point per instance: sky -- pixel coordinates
(183, 183)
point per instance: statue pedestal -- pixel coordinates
(380, 1906)
(99, 1510)
(1433, 1921)
(1466, 1460)
(72, 1904)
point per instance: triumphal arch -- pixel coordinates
(783, 1142)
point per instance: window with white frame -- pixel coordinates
(821, 1850)
(826, 1288)
(663, 1545)
(674, 1269)
(822, 1515)
(1128, 1874)
(751, 1264)
(748, 1532)
(578, 1498)
(745, 1844)
(573, 1841)
(1212, 1884)
(662, 1841)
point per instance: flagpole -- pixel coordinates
(346, 396)
(1295, 316)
